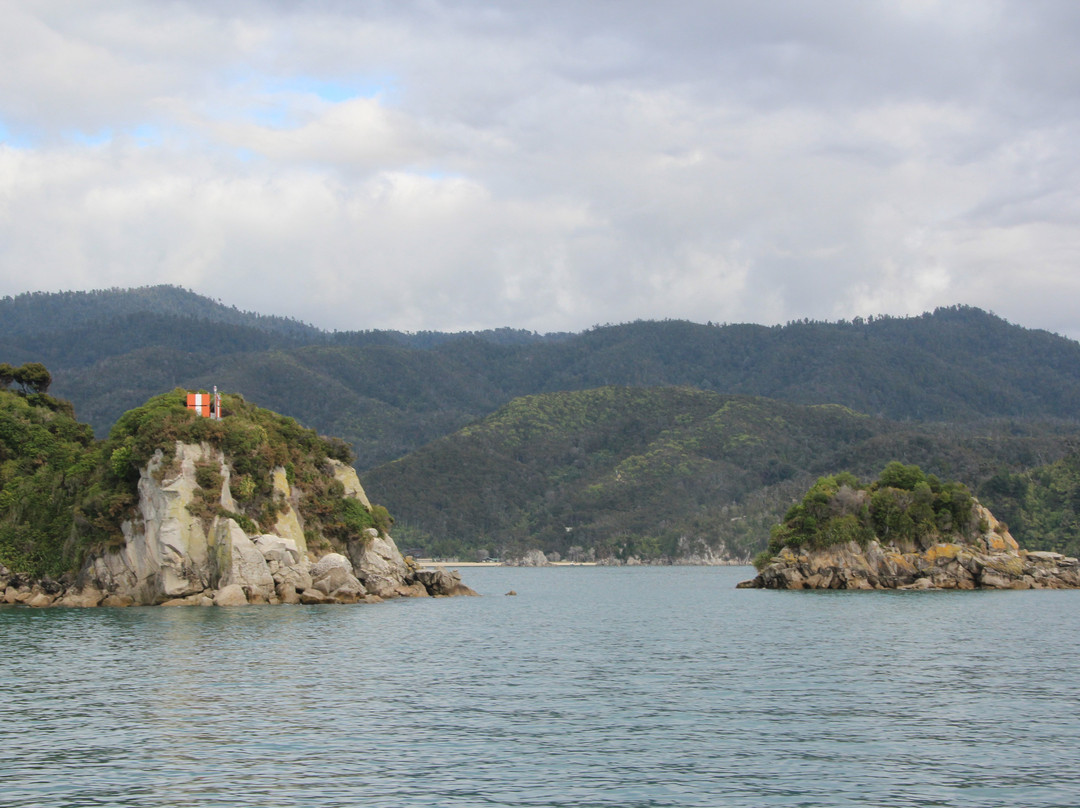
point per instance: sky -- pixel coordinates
(548, 165)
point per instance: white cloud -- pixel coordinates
(468, 165)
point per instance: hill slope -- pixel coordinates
(661, 472)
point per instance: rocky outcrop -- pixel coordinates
(379, 566)
(442, 583)
(173, 556)
(532, 558)
(992, 560)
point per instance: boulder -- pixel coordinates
(413, 590)
(442, 583)
(241, 562)
(379, 564)
(40, 600)
(285, 561)
(332, 575)
(533, 558)
(231, 595)
(87, 597)
(287, 593)
(312, 596)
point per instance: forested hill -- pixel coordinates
(37, 313)
(389, 393)
(668, 472)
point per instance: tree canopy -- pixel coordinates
(904, 507)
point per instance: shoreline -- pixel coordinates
(431, 562)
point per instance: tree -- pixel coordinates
(7, 374)
(32, 377)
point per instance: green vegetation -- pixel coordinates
(44, 463)
(903, 507)
(62, 493)
(659, 472)
(1040, 505)
(31, 377)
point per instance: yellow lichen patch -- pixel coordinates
(944, 552)
(1009, 564)
(998, 543)
(899, 561)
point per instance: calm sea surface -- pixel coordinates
(592, 687)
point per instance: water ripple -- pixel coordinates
(594, 687)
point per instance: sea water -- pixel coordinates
(590, 687)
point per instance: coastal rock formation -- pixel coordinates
(177, 508)
(531, 558)
(989, 560)
(173, 554)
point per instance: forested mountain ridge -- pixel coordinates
(389, 393)
(42, 312)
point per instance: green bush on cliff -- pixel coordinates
(903, 506)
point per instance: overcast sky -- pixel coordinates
(548, 165)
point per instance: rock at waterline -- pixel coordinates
(992, 560)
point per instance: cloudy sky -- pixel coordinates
(548, 165)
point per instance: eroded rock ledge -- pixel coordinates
(992, 561)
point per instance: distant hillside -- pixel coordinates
(43, 312)
(1040, 505)
(389, 393)
(620, 471)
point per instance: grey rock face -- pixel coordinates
(379, 564)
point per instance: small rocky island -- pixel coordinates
(175, 508)
(907, 530)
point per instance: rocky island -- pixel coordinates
(179, 509)
(907, 530)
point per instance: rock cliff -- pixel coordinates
(173, 554)
(990, 559)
